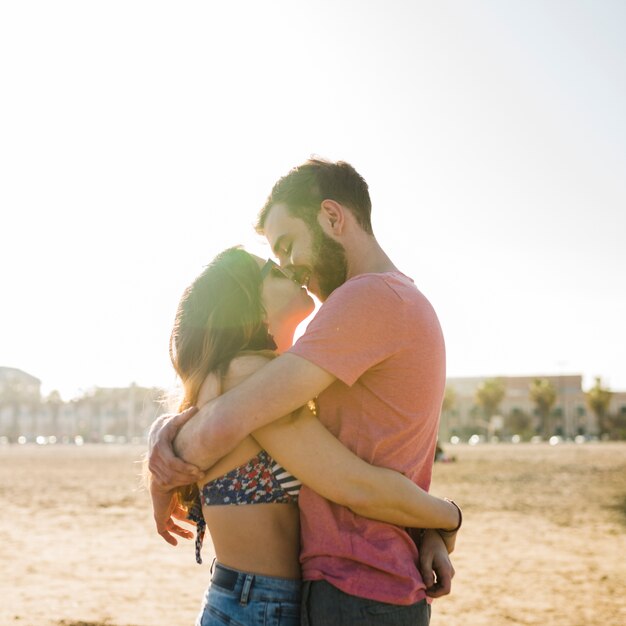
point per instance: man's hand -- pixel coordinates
(435, 565)
(168, 471)
(165, 506)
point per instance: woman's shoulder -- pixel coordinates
(250, 360)
(245, 364)
(242, 366)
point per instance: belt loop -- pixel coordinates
(245, 592)
(212, 566)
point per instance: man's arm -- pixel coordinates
(278, 388)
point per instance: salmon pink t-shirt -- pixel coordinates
(380, 337)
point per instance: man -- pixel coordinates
(374, 358)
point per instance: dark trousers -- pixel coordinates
(325, 605)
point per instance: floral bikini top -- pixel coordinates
(261, 480)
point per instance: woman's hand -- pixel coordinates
(165, 506)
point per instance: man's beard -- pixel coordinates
(330, 266)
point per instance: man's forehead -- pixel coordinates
(277, 215)
(279, 223)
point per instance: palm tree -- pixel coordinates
(543, 394)
(598, 399)
(489, 395)
(449, 399)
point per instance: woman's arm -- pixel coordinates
(303, 446)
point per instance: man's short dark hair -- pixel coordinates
(306, 186)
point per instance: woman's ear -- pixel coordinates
(332, 217)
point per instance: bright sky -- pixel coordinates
(138, 139)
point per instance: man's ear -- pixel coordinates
(332, 217)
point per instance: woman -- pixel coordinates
(235, 317)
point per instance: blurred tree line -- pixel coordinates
(545, 420)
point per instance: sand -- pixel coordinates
(544, 539)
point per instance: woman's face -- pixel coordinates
(286, 302)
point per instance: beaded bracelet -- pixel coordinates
(458, 508)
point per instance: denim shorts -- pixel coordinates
(244, 599)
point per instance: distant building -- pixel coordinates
(100, 414)
(570, 415)
(126, 413)
(20, 399)
(13, 379)
(113, 414)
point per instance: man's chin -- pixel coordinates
(315, 293)
(315, 289)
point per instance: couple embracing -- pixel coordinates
(308, 464)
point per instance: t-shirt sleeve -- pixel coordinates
(355, 329)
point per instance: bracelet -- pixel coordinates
(458, 508)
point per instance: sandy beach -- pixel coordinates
(544, 539)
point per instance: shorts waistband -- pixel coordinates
(225, 577)
(249, 586)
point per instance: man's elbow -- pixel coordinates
(356, 497)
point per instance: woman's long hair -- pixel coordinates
(219, 315)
